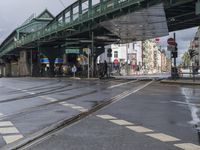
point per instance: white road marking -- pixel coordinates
(24, 90)
(69, 105)
(121, 122)
(185, 103)
(5, 123)
(8, 130)
(163, 137)
(188, 146)
(1, 114)
(62, 103)
(30, 93)
(12, 138)
(139, 129)
(194, 110)
(127, 93)
(83, 110)
(49, 98)
(113, 86)
(77, 107)
(107, 117)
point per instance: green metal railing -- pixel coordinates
(98, 10)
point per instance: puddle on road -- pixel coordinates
(188, 93)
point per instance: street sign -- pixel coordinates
(72, 51)
(157, 40)
(171, 48)
(171, 41)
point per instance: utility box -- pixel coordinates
(198, 8)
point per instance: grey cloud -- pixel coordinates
(14, 12)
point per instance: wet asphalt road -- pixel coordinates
(143, 115)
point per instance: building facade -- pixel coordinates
(143, 56)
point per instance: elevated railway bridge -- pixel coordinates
(92, 24)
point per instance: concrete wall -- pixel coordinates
(24, 68)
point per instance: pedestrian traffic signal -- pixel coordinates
(175, 52)
(192, 53)
(109, 54)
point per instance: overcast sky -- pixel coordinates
(14, 12)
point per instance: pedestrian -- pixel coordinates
(105, 69)
(74, 69)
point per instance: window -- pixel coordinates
(115, 54)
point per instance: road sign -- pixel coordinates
(157, 40)
(171, 41)
(72, 51)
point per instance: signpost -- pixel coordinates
(171, 41)
(172, 47)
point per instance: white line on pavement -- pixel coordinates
(117, 85)
(159, 136)
(121, 122)
(106, 117)
(24, 90)
(188, 146)
(5, 123)
(79, 108)
(49, 98)
(139, 129)
(8, 130)
(163, 137)
(7, 127)
(83, 110)
(185, 103)
(30, 93)
(12, 138)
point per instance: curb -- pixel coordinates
(180, 82)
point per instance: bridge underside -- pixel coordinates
(182, 15)
(140, 25)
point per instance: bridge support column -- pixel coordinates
(65, 59)
(24, 69)
(7, 69)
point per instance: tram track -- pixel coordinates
(35, 108)
(54, 128)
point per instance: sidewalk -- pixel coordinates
(144, 77)
(181, 81)
(165, 78)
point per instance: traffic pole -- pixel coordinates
(175, 57)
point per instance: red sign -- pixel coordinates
(116, 61)
(157, 40)
(171, 41)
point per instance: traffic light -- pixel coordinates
(175, 52)
(109, 54)
(192, 53)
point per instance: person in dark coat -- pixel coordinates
(105, 69)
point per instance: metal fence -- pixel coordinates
(189, 72)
